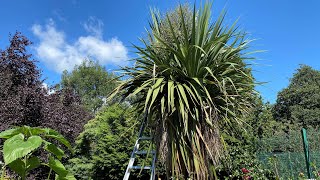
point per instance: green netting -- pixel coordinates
(287, 165)
(283, 153)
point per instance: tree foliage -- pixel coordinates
(21, 92)
(63, 111)
(91, 82)
(23, 100)
(190, 87)
(261, 120)
(170, 21)
(104, 147)
(300, 101)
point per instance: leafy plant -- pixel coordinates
(20, 145)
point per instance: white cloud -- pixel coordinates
(46, 87)
(60, 55)
(94, 26)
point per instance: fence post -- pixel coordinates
(306, 151)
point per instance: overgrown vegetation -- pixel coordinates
(279, 146)
(191, 76)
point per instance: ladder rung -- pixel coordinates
(145, 138)
(140, 167)
(145, 152)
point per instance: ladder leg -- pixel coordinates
(153, 170)
(131, 161)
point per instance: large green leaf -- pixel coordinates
(16, 147)
(21, 168)
(18, 166)
(57, 167)
(32, 163)
(9, 133)
(30, 131)
(36, 131)
(69, 176)
(57, 136)
(59, 153)
(25, 130)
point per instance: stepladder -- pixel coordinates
(140, 151)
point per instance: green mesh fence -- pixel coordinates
(283, 153)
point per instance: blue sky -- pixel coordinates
(65, 32)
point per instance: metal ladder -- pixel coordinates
(137, 152)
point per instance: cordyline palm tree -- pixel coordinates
(192, 80)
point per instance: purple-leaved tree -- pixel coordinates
(24, 100)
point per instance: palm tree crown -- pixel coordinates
(192, 78)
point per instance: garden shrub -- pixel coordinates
(103, 149)
(240, 161)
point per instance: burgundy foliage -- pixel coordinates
(63, 111)
(24, 101)
(20, 87)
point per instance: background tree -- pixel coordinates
(91, 82)
(300, 101)
(64, 112)
(199, 83)
(21, 88)
(261, 119)
(24, 101)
